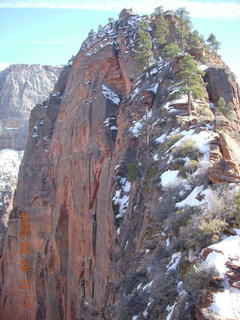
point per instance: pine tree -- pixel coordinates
(144, 46)
(225, 108)
(162, 30)
(185, 26)
(170, 51)
(195, 39)
(213, 43)
(191, 78)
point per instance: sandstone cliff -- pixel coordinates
(111, 176)
(21, 87)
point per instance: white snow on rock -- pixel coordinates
(169, 177)
(203, 67)
(110, 94)
(136, 128)
(147, 286)
(170, 310)
(170, 104)
(134, 94)
(9, 166)
(139, 286)
(154, 88)
(173, 264)
(161, 139)
(108, 120)
(145, 313)
(191, 200)
(138, 125)
(226, 303)
(121, 197)
(156, 157)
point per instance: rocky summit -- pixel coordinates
(128, 191)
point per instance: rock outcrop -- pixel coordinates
(112, 171)
(21, 87)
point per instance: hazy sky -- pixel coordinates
(51, 31)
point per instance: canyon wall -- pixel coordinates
(21, 88)
(103, 189)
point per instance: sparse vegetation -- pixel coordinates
(236, 212)
(206, 227)
(171, 141)
(151, 172)
(198, 280)
(226, 108)
(205, 112)
(132, 171)
(191, 166)
(181, 218)
(186, 149)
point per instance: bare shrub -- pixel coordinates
(198, 279)
(186, 149)
(206, 227)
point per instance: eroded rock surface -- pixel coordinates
(21, 87)
(103, 177)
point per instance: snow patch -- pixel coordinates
(154, 88)
(170, 310)
(169, 177)
(161, 139)
(121, 197)
(110, 94)
(173, 264)
(147, 286)
(191, 200)
(203, 67)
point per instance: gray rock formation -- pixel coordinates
(21, 88)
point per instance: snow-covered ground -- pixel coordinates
(226, 303)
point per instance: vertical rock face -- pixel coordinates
(95, 179)
(21, 87)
